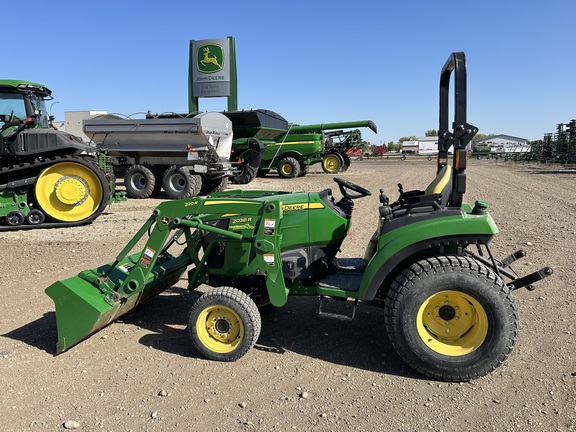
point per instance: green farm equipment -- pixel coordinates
(291, 149)
(448, 312)
(558, 147)
(482, 151)
(48, 178)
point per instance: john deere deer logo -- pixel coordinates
(211, 59)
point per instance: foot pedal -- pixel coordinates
(321, 312)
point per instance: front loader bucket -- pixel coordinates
(83, 308)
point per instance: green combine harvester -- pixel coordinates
(447, 302)
(291, 149)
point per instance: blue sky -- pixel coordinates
(310, 61)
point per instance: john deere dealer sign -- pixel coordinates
(211, 68)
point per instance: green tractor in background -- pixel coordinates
(48, 178)
(449, 313)
(291, 149)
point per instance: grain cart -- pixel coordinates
(290, 149)
(448, 311)
(48, 178)
(183, 154)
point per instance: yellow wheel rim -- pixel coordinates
(287, 169)
(220, 329)
(331, 163)
(69, 191)
(452, 323)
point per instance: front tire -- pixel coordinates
(451, 318)
(288, 168)
(224, 323)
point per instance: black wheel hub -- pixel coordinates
(222, 326)
(447, 313)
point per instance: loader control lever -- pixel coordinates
(346, 186)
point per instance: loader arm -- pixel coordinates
(91, 300)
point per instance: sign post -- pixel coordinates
(212, 72)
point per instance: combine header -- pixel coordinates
(447, 302)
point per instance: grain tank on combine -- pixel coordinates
(448, 303)
(48, 178)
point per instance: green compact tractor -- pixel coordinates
(448, 304)
(48, 178)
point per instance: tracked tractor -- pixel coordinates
(447, 302)
(48, 178)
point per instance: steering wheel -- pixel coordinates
(9, 121)
(345, 188)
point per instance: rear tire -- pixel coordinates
(224, 324)
(140, 182)
(178, 182)
(288, 168)
(451, 318)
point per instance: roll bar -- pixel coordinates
(463, 132)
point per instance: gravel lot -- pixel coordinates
(307, 372)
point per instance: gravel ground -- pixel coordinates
(307, 372)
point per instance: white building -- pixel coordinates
(73, 122)
(428, 145)
(423, 146)
(505, 144)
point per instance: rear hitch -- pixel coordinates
(513, 257)
(528, 280)
(500, 268)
